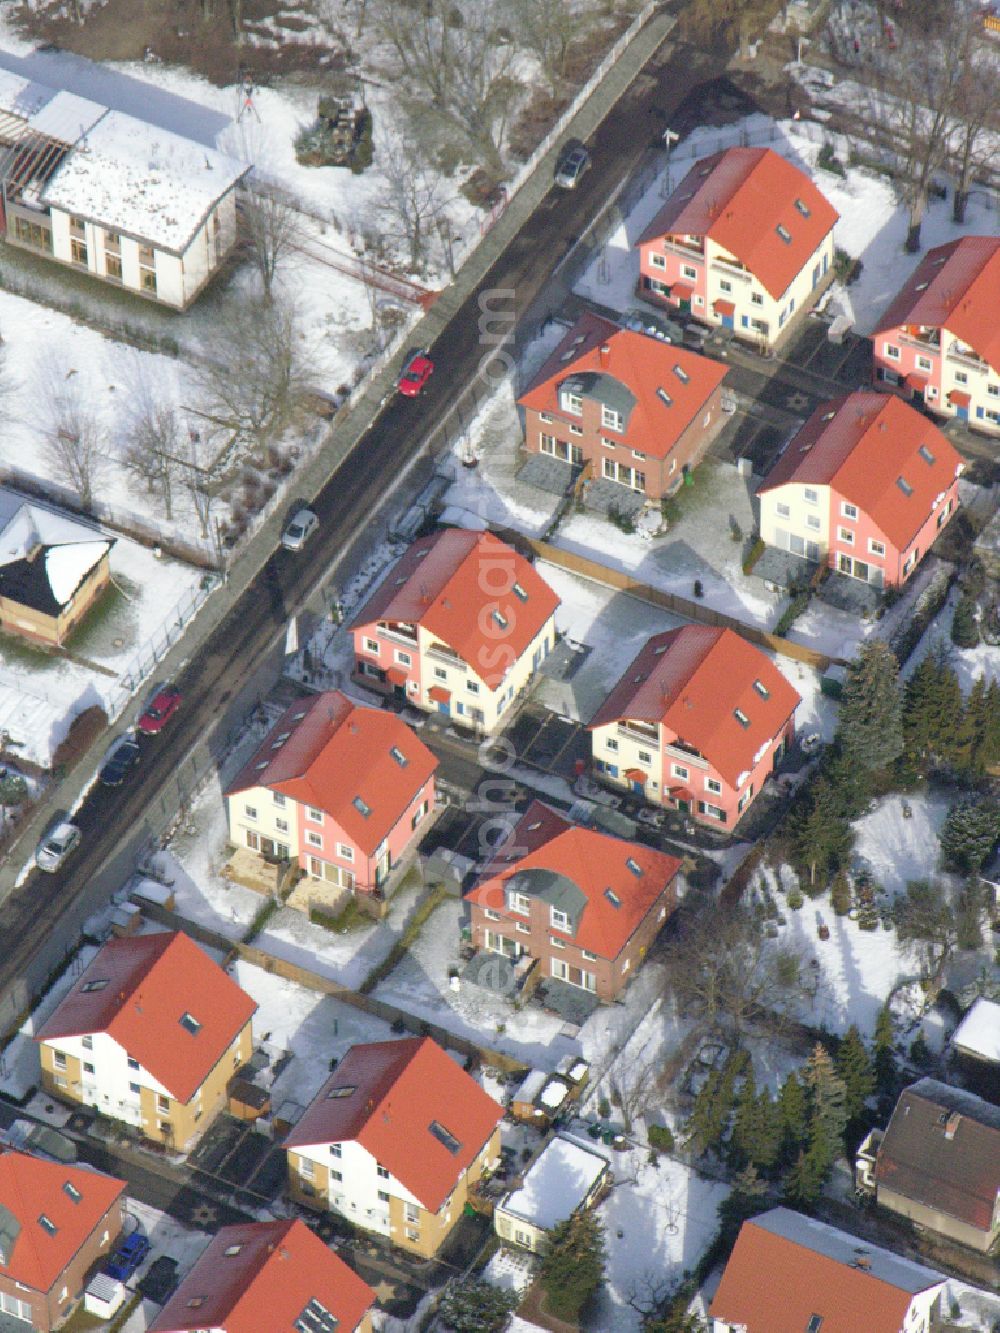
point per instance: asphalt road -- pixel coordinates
(41, 919)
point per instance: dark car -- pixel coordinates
(417, 370)
(128, 1256)
(120, 761)
(160, 709)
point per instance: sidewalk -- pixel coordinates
(346, 432)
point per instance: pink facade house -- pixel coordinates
(865, 486)
(698, 723)
(344, 790)
(939, 340)
(745, 243)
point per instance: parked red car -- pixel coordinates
(160, 709)
(415, 373)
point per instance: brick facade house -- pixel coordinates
(865, 487)
(459, 627)
(745, 243)
(939, 340)
(150, 1034)
(343, 790)
(698, 723)
(586, 905)
(57, 1222)
(393, 1141)
(639, 411)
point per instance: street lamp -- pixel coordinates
(670, 137)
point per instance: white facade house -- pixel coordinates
(127, 202)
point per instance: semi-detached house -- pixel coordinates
(939, 340)
(697, 723)
(268, 1275)
(865, 487)
(393, 1141)
(151, 1034)
(639, 411)
(745, 243)
(56, 1222)
(586, 905)
(344, 790)
(459, 626)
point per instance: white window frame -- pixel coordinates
(848, 510)
(314, 839)
(875, 548)
(679, 771)
(846, 536)
(890, 352)
(611, 420)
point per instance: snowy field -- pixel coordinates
(872, 224)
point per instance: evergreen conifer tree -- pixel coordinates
(573, 1268)
(821, 836)
(884, 1057)
(969, 834)
(964, 625)
(793, 1115)
(855, 1069)
(827, 1108)
(871, 727)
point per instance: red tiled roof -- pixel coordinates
(861, 444)
(401, 1089)
(30, 1188)
(336, 752)
(450, 583)
(692, 680)
(955, 286)
(775, 1283)
(739, 198)
(643, 365)
(593, 863)
(277, 1269)
(151, 983)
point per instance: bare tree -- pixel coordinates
(461, 60)
(75, 442)
(546, 28)
(273, 229)
(413, 199)
(913, 91)
(726, 973)
(971, 145)
(255, 386)
(152, 448)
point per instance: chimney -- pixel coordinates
(952, 1124)
(605, 354)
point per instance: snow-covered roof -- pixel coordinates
(554, 1094)
(533, 1083)
(557, 1183)
(979, 1031)
(65, 116)
(135, 178)
(20, 97)
(70, 550)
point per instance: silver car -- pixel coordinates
(571, 166)
(299, 528)
(56, 846)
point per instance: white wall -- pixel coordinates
(357, 1195)
(107, 1088)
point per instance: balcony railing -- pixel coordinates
(929, 342)
(967, 360)
(438, 653)
(636, 731)
(398, 635)
(685, 756)
(685, 251)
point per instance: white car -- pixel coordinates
(571, 166)
(56, 846)
(299, 528)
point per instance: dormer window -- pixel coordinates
(47, 1224)
(518, 902)
(71, 1191)
(572, 402)
(610, 419)
(231, 1251)
(560, 919)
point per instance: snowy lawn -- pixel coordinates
(347, 957)
(421, 985)
(658, 1221)
(314, 1028)
(19, 1063)
(872, 224)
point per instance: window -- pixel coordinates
(815, 1323)
(575, 430)
(518, 902)
(813, 522)
(611, 743)
(87, 1068)
(404, 659)
(59, 1059)
(46, 1223)
(802, 207)
(418, 814)
(398, 756)
(336, 1175)
(688, 272)
(590, 957)
(612, 898)
(645, 757)
(784, 233)
(926, 455)
(306, 1168)
(572, 402)
(345, 852)
(250, 811)
(762, 689)
(875, 548)
(756, 298)
(78, 251)
(89, 987)
(923, 363)
(556, 942)
(657, 261)
(382, 1172)
(362, 807)
(133, 1064)
(811, 496)
(664, 397)
(71, 1190)
(134, 1089)
(87, 1043)
(904, 486)
(610, 419)
(713, 785)
(342, 1090)
(846, 536)
(113, 267)
(523, 927)
(440, 673)
(411, 1211)
(444, 1137)
(891, 352)
(783, 510)
(500, 619)
(961, 377)
(682, 374)
(371, 646)
(314, 839)
(147, 280)
(315, 815)
(713, 811)
(472, 686)
(559, 919)
(231, 1251)
(546, 417)
(281, 825)
(993, 390)
(741, 718)
(725, 285)
(848, 511)
(163, 1103)
(679, 771)
(490, 914)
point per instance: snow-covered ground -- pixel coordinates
(872, 224)
(19, 1065)
(968, 663)
(899, 848)
(167, 1237)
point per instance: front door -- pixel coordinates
(727, 321)
(684, 807)
(638, 787)
(962, 413)
(444, 708)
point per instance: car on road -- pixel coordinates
(417, 370)
(299, 528)
(127, 1257)
(121, 759)
(162, 706)
(573, 162)
(56, 846)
